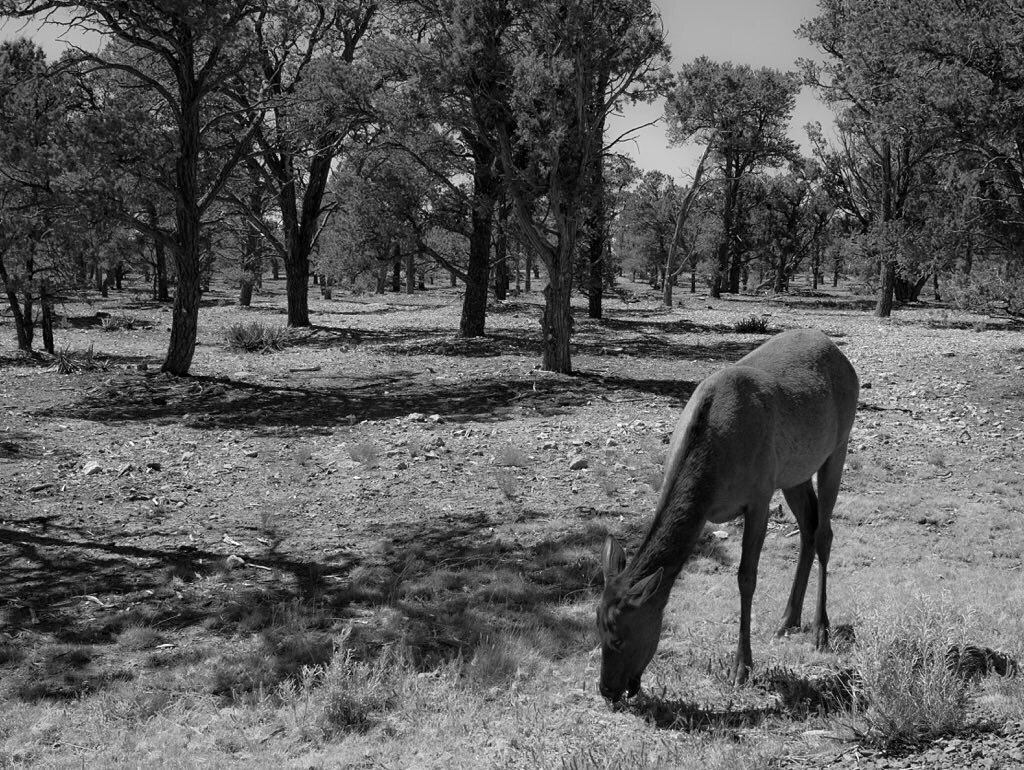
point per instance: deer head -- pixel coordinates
(628, 623)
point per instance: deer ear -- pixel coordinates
(644, 590)
(613, 558)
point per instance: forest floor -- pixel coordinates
(379, 546)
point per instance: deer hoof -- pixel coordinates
(821, 639)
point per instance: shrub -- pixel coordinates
(113, 323)
(753, 324)
(506, 482)
(913, 693)
(68, 362)
(364, 453)
(255, 337)
(512, 456)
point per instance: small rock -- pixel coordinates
(250, 453)
(91, 468)
(579, 464)
(234, 562)
(611, 442)
(721, 534)
(153, 466)
(435, 418)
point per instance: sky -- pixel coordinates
(761, 33)
(756, 32)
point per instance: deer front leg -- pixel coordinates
(755, 525)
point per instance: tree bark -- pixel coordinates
(724, 263)
(501, 272)
(883, 309)
(596, 234)
(485, 195)
(245, 292)
(22, 330)
(502, 277)
(187, 253)
(556, 320)
(410, 272)
(46, 302)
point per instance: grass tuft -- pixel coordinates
(914, 695)
(255, 337)
(118, 322)
(68, 362)
(752, 324)
(511, 456)
(364, 453)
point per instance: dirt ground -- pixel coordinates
(378, 449)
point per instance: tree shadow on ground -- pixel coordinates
(20, 445)
(215, 403)
(439, 589)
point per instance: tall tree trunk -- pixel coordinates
(187, 253)
(724, 262)
(883, 309)
(160, 289)
(779, 285)
(502, 278)
(596, 231)
(887, 288)
(556, 320)
(46, 302)
(410, 272)
(501, 272)
(529, 271)
(22, 330)
(485, 195)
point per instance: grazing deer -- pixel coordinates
(771, 421)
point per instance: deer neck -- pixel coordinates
(670, 541)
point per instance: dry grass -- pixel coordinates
(471, 643)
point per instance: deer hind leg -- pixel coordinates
(804, 504)
(829, 476)
(755, 524)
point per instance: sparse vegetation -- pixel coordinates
(507, 484)
(752, 324)
(365, 453)
(912, 691)
(117, 322)
(511, 456)
(67, 361)
(256, 337)
(438, 609)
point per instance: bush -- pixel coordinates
(753, 324)
(988, 287)
(914, 694)
(113, 323)
(68, 362)
(255, 337)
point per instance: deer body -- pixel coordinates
(773, 420)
